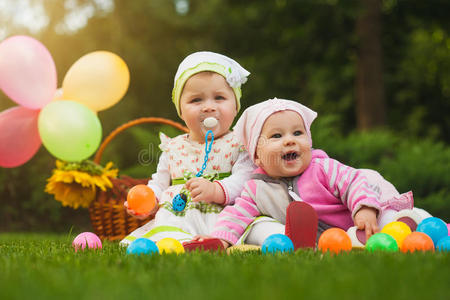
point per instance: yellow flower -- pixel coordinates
(75, 184)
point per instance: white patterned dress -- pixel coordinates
(182, 156)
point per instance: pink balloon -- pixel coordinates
(19, 136)
(27, 71)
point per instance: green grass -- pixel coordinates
(36, 266)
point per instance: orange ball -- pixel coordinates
(335, 240)
(417, 241)
(141, 199)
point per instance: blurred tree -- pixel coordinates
(370, 107)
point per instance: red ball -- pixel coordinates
(141, 199)
(335, 240)
(417, 241)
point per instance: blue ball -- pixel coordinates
(277, 243)
(434, 227)
(142, 246)
(444, 244)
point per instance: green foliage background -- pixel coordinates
(302, 50)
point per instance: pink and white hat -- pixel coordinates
(248, 127)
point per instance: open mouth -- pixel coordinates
(290, 156)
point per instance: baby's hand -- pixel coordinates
(205, 237)
(203, 190)
(136, 215)
(366, 218)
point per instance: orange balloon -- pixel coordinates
(417, 241)
(141, 199)
(334, 240)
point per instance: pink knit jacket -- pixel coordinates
(336, 192)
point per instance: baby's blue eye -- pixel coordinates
(298, 132)
(275, 136)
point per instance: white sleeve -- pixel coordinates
(161, 179)
(240, 173)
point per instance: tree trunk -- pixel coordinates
(370, 106)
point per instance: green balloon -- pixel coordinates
(69, 130)
(381, 241)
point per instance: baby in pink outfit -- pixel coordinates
(300, 186)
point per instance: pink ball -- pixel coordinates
(87, 238)
(448, 228)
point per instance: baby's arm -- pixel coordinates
(159, 182)
(352, 187)
(366, 219)
(222, 191)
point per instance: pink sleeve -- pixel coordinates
(350, 185)
(234, 219)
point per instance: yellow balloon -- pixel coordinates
(169, 245)
(398, 230)
(98, 80)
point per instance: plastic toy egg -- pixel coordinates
(334, 240)
(89, 239)
(277, 243)
(448, 228)
(434, 227)
(381, 241)
(142, 246)
(141, 199)
(169, 245)
(417, 241)
(179, 202)
(444, 244)
(398, 230)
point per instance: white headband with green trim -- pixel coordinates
(203, 61)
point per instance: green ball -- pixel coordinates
(381, 241)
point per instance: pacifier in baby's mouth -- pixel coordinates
(210, 122)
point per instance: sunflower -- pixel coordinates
(75, 184)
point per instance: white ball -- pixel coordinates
(210, 122)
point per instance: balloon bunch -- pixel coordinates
(64, 120)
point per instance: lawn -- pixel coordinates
(39, 266)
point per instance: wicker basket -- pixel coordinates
(108, 215)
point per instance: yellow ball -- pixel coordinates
(169, 245)
(398, 230)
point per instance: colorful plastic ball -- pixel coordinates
(398, 230)
(381, 241)
(141, 199)
(448, 228)
(434, 227)
(169, 245)
(444, 244)
(142, 246)
(89, 239)
(417, 241)
(277, 243)
(334, 240)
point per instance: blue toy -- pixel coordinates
(444, 244)
(179, 201)
(277, 243)
(142, 246)
(434, 227)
